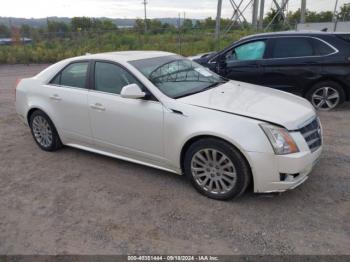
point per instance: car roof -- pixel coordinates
(124, 56)
(291, 33)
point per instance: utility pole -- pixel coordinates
(261, 15)
(303, 11)
(335, 15)
(255, 13)
(145, 8)
(218, 19)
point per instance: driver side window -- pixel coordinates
(111, 78)
(249, 51)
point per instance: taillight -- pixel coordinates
(16, 85)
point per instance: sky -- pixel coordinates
(133, 8)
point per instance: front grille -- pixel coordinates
(312, 134)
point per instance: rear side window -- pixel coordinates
(321, 48)
(73, 75)
(292, 47)
(112, 78)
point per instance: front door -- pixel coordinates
(123, 126)
(242, 63)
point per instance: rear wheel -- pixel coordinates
(216, 169)
(326, 95)
(44, 131)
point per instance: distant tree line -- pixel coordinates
(310, 17)
(154, 26)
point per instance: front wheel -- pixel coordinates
(216, 169)
(326, 95)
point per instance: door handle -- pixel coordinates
(97, 106)
(55, 97)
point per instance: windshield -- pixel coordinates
(177, 76)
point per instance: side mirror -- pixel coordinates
(132, 91)
(220, 64)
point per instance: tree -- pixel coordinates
(81, 23)
(314, 17)
(277, 23)
(4, 31)
(139, 25)
(209, 23)
(344, 13)
(57, 27)
(103, 25)
(187, 24)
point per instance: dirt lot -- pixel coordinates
(76, 202)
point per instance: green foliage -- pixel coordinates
(344, 13)
(325, 16)
(4, 31)
(54, 26)
(51, 50)
(89, 35)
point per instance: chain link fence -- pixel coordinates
(48, 47)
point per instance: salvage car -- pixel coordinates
(315, 65)
(165, 111)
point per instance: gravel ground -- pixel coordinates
(75, 202)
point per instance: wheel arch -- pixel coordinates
(37, 108)
(332, 79)
(196, 138)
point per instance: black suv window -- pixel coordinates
(249, 51)
(292, 47)
(112, 78)
(73, 75)
(321, 48)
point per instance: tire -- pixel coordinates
(233, 171)
(44, 131)
(326, 95)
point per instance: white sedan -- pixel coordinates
(162, 110)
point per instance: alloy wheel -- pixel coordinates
(325, 98)
(213, 171)
(42, 131)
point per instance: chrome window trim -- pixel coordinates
(118, 95)
(70, 87)
(100, 92)
(273, 37)
(48, 81)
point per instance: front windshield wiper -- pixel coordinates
(212, 85)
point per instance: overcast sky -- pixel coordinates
(134, 8)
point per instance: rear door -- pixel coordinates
(243, 62)
(292, 64)
(67, 97)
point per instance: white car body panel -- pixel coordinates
(154, 133)
(256, 101)
(131, 126)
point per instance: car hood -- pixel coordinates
(257, 102)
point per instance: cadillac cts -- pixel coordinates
(162, 110)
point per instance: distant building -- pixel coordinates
(339, 26)
(10, 41)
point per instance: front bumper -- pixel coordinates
(278, 173)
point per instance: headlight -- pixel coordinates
(280, 139)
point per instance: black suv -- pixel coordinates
(315, 65)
